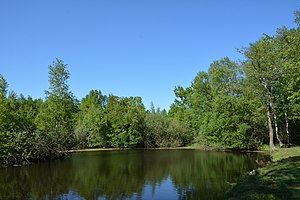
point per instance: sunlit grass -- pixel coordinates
(278, 180)
(282, 153)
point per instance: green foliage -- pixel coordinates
(93, 99)
(163, 131)
(17, 129)
(33, 129)
(216, 108)
(273, 70)
(5, 115)
(297, 17)
(233, 104)
(58, 77)
(92, 127)
(290, 53)
(126, 119)
(181, 103)
(55, 118)
(3, 86)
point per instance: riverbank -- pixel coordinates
(114, 149)
(191, 147)
(279, 179)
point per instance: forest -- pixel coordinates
(240, 104)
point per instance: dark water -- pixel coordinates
(129, 174)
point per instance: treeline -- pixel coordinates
(237, 105)
(248, 103)
(112, 121)
(36, 129)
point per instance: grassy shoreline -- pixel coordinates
(203, 148)
(279, 179)
(117, 149)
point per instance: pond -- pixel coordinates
(128, 174)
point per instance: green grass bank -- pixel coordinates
(279, 179)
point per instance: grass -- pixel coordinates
(278, 180)
(282, 153)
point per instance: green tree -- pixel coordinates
(126, 118)
(200, 99)
(55, 119)
(17, 128)
(264, 71)
(27, 110)
(182, 110)
(92, 124)
(216, 107)
(93, 99)
(297, 17)
(163, 131)
(288, 103)
(3, 86)
(181, 103)
(226, 122)
(4, 108)
(6, 122)
(152, 107)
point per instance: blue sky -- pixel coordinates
(129, 47)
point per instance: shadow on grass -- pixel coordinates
(279, 180)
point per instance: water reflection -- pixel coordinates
(132, 174)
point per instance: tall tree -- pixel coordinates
(264, 71)
(225, 119)
(289, 44)
(55, 118)
(3, 86)
(297, 17)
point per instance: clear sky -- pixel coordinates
(128, 47)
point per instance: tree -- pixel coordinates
(163, 131)
(126, 118)
(181, 108)
(152, 107)
(55, 118)
(224, 117)
(17, 138)
(27, 110)
(4, 108)
(264, 70)
(297, 17)
(289, 101)
(92, 124)
(3, 86)
(93, 99)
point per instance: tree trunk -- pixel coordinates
(276, 130)
(268, 109)
(271, 135)
(287, 128)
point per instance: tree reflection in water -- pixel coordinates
(128, 174)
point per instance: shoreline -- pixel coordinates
(166, 148)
